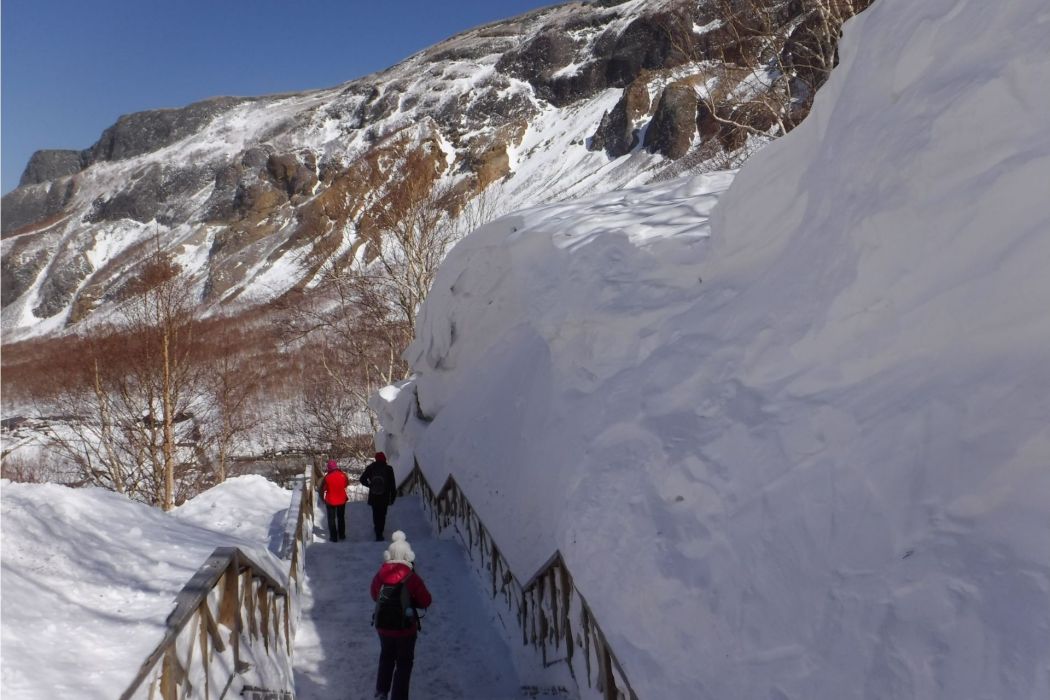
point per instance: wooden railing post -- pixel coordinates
(230, 610)
(608, 681)
(542, 606)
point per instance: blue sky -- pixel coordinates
(71, 67)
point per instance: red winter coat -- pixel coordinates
(391, 573)
(333, 488)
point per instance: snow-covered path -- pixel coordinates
(460, 654)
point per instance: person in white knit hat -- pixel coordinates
(399, 592)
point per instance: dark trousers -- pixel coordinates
(336, 522)
(396, 656)
(379, 518)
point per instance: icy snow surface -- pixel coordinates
(460, 652)
(809, 456)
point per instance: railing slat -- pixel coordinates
(211, 627)
(541, 617)
(243, 590)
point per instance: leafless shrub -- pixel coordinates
(16, 467)
(130, 393)
(355, 325)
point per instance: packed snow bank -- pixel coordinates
(823, 471)
(89, 577)
(249, 507)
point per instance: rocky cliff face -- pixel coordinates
(254, 195)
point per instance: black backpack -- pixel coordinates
(377, 485)
(394, 608)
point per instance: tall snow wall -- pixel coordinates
(801, 450)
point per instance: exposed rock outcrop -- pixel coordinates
(545, 64)
(49, 165)
(706, 123)
(537, 60)
(157, 192)
(145, 132)
(673, 126)
(490, 164)
(296, 175)
(649, 43)
(35, 205)
(59, 287)
(19, 269)
(616, 133)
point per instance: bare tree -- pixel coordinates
(351, 345)
(232, 383)
(415, 226)
(355, 325)
(131, 399)
(103, 431)
(161, 311)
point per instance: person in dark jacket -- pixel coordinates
(397, 644)
(382, 490)
(333, 491)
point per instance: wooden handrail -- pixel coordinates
(191, 601)
(248, 602)
(544, 602)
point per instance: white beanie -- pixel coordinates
(399, 549)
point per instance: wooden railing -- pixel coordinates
(233, 619)
(551, 612)
(299, 526)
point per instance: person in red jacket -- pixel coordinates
(333, 491)
(399, 592)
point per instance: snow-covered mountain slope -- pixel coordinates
(801, 450)
(253, 196)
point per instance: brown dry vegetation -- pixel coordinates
(232, 369)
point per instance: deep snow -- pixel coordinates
(89, 577)
(809, 456)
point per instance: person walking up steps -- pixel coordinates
(333, 491)
(382, 490)
(398, 592)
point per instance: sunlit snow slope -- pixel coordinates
(807, 457)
